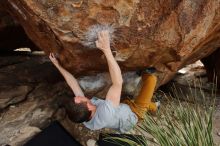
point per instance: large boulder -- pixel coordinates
(164, 34)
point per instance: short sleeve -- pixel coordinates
(106, 111)
(103, 115)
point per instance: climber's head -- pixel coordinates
(79, 109)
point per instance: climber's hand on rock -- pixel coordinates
(53, 59)
(103, 42)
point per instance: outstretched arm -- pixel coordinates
(114, 93)
(70, 79)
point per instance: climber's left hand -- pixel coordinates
(53, 59)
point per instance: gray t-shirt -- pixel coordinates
(107, 116)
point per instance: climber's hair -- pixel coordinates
(77, 112)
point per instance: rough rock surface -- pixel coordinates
(21, 121)
(165, 34)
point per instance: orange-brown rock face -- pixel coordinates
(167, 34)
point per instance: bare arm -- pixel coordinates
(70, 79)
(114, 93)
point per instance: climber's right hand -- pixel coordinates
(103, 42)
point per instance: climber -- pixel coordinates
(109, 113)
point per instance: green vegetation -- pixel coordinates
(181, 124)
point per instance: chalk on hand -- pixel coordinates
(91, 35)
